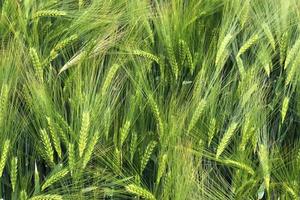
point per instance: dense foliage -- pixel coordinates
(149, 99)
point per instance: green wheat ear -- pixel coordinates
(124, 132)
(49, 13)
(4, 155)
(146, 156)
(83, 136)
(196, 115)
(47, 197)
(134, 189)
(284, 108)
(226, 138)
(88, 154)
(47, 147)
(14, 172)
(54, 178)
(54, 137)
(36, 63)
(3, 102)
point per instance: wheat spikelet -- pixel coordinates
(134, 189)
(290, 190)
(48, 13)
(161, 167)
(88, 154)
(240, 65)
(23, 195)
(146, 55)
(47, 147)
(85, 124)
(212, 129)
(196, 115)
(245, 13)
(54, 137)
(47, 197)
(282, 47)
(284, 108)
(71, 157)
(222, 48)
(239, 165)
(14, 172)
(186, 53)
(292, 53)
(124, 132)
(73, 61)
(54, 178)
(36, 179)
(251, 41)
(247, 95)
(181, 51)
(133, 144)
(155, 110)
(172, 59)
(246, 133)
(226, 138)
(264, 161)
(61, 45)
(110, 75)
(269, 35)
(146, 156)
(36, 63)
(3, 102)
(81, 3)
(4, 155)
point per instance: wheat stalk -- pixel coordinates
(226, 138)
(83, 136)
(134, 189)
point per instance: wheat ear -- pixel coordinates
(264, 161)
(124, 132)
(110, 75)
(284, 108)
(14, 172)
(196, 115)
(47, 147)
(146, 156)
(85, 124)
(55, 138)
(222, 48)
(36, 63)
(4, 155)
(49, 13)
(226, 138)
(134, 189)
(47, 197)
(88, 154)
(251, 41)
(54, 178)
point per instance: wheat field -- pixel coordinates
(150, 99)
